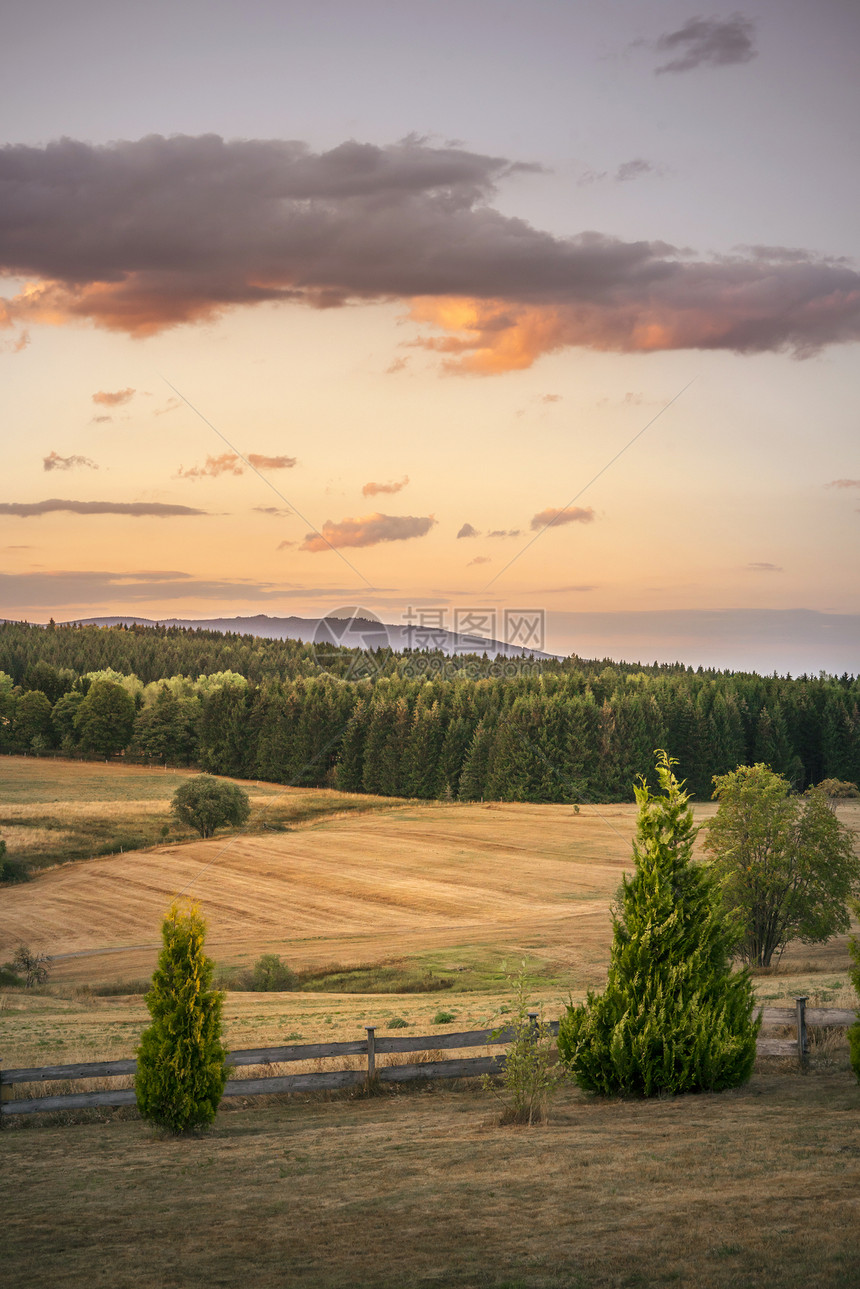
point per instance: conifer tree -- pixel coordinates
(180, 1062)
(674, 1016)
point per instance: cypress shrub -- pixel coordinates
(674, 1016)
(180, 1062)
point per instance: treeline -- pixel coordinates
(412, 725)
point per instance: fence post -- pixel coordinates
(800, 1004)
(371, 1052)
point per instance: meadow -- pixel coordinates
(415, 1187)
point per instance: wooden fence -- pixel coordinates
(370, 1047)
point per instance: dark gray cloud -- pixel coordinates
(505, 532)
(634, 169)
(53, 461)
(29, 509)
(139, 236)
(279, 512)
(368, 530)
(710, 42)
(468, 531)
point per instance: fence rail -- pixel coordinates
(372, 1046)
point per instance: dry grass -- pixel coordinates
(54, 811)
(421, 1188)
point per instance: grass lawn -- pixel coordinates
(748, 1188)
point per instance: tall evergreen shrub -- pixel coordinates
(674, 1016)
(180, 1062)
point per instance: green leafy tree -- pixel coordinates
(181, 1061)
(33, 728)
(674, 1016)
(787, 863)
(105, 719)
(206, 803)
(271, 975)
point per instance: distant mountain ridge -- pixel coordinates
(353, 633)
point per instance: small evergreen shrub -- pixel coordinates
(674, 1016)
(180, 1062)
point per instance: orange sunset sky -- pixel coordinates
(413, 307)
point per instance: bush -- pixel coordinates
(206, 803)
(180, 1062)
(33, 965)
(443, 1018)
(398, 1023)
(531, 1073)
(12, 870)
(270, 975)
(674, 1017)
(839, 788)
(854, 1031)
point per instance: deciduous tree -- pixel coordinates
(787, 863)
(206, 803)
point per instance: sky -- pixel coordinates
(437, 310)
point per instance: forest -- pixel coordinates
(415, 724)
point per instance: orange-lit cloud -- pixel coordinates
(374, 489)
(844, 483)
(555, 516)
(226, 463)
(230, 463)
(468, 530)
(225, 225)
(759, 566)
(369, 530)
(113, 398)
(479, 559)
(53, 461)
(261, 462)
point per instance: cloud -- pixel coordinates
(230, 463)
(479, 559)
(141, 236)
(373, 489)
(558, 590)
(550, 398)
(115, 398)
(54, 462)
(64, 586)
(505, 532)
(555, 517)
(369, 530)
(709, 42)
(283, 545)
(26, 510)
(100, 420)
(468, 531)
(634, 169)
(844, 483)
(396, 365)
(760, 567)
(226, 463)
(279, 512)
(260, 462)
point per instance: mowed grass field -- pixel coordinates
(419, 1187)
